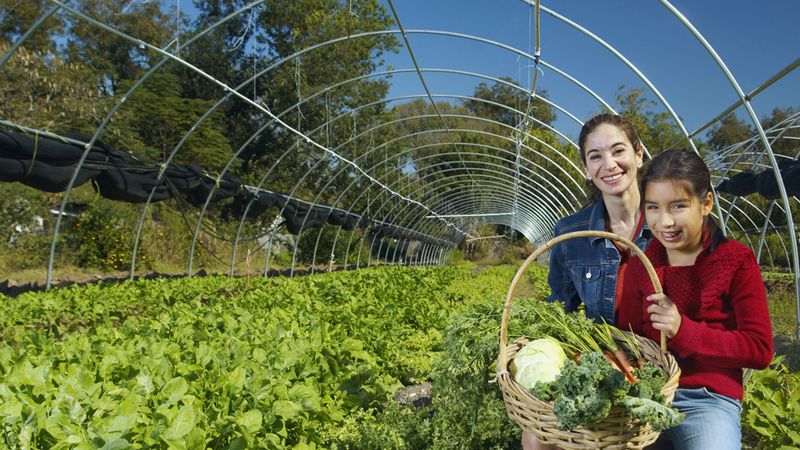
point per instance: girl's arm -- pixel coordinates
(749, 344)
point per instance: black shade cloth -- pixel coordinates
(43, 176)
(131, 185)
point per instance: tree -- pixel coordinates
(728, 131)
(43, 91)
(786, 144)
(19, 16)
(114, 58)
(160, 117)
(657, 130)
(512, 97)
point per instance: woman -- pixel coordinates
(589, 271)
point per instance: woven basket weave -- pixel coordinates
(617, 431)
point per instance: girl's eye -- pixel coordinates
(651, 207)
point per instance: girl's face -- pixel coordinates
(611, 161)
(676, 219)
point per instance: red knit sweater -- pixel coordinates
(725, 323)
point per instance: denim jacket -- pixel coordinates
(585, 269)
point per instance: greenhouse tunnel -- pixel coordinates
(301, 137)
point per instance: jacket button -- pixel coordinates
(588, 274)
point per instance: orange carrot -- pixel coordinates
(612, 360)
(626, 365)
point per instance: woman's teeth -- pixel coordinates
(612, 178)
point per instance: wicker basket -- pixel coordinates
(617, 431)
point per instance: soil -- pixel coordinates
(414, 395)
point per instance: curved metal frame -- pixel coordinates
(530, 195)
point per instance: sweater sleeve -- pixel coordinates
(750, 343)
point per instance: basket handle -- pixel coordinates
(549, 244)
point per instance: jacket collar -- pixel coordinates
(597, 221)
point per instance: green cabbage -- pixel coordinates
(538, 361)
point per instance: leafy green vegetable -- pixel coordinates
(539, 360)
(659, 416)
(650, 381)
(584, 393)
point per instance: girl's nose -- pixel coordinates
(666, 220)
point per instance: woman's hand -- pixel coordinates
(664, 314)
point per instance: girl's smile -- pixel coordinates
(676, 218)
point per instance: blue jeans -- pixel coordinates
(712, 422)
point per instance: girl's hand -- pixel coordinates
(664, 314)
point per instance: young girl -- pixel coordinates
(713, 309)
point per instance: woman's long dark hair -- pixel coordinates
(687, 169)
(611, 119)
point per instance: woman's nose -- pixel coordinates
(610, 163)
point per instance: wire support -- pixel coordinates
(425, 85)
(249, 188)
(256, 105)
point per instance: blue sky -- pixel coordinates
(755, 39)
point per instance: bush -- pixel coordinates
(103, 237)
(771, 408)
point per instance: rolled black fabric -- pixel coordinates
(131, 185)
(228, 187)
(741, 184)
(51, 151)
(767, 185)
(43, 176)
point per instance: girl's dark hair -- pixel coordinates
(611, 119)
(687, 169)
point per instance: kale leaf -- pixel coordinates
(585, 392)
(659, 417)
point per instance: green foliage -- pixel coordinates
(25, 14)
(316, 245)
(161, 116)
(210, 363)
(659, 416)
(19, 205)
(728, 131)
(396, 427)
(102, 237)
(44, 91)
(469, 410)
(114, 58)
(656, 128)
(771, 408)
(584, 393)
(513, 97)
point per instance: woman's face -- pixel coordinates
(611, 160)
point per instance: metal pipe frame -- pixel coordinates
(535, 200)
